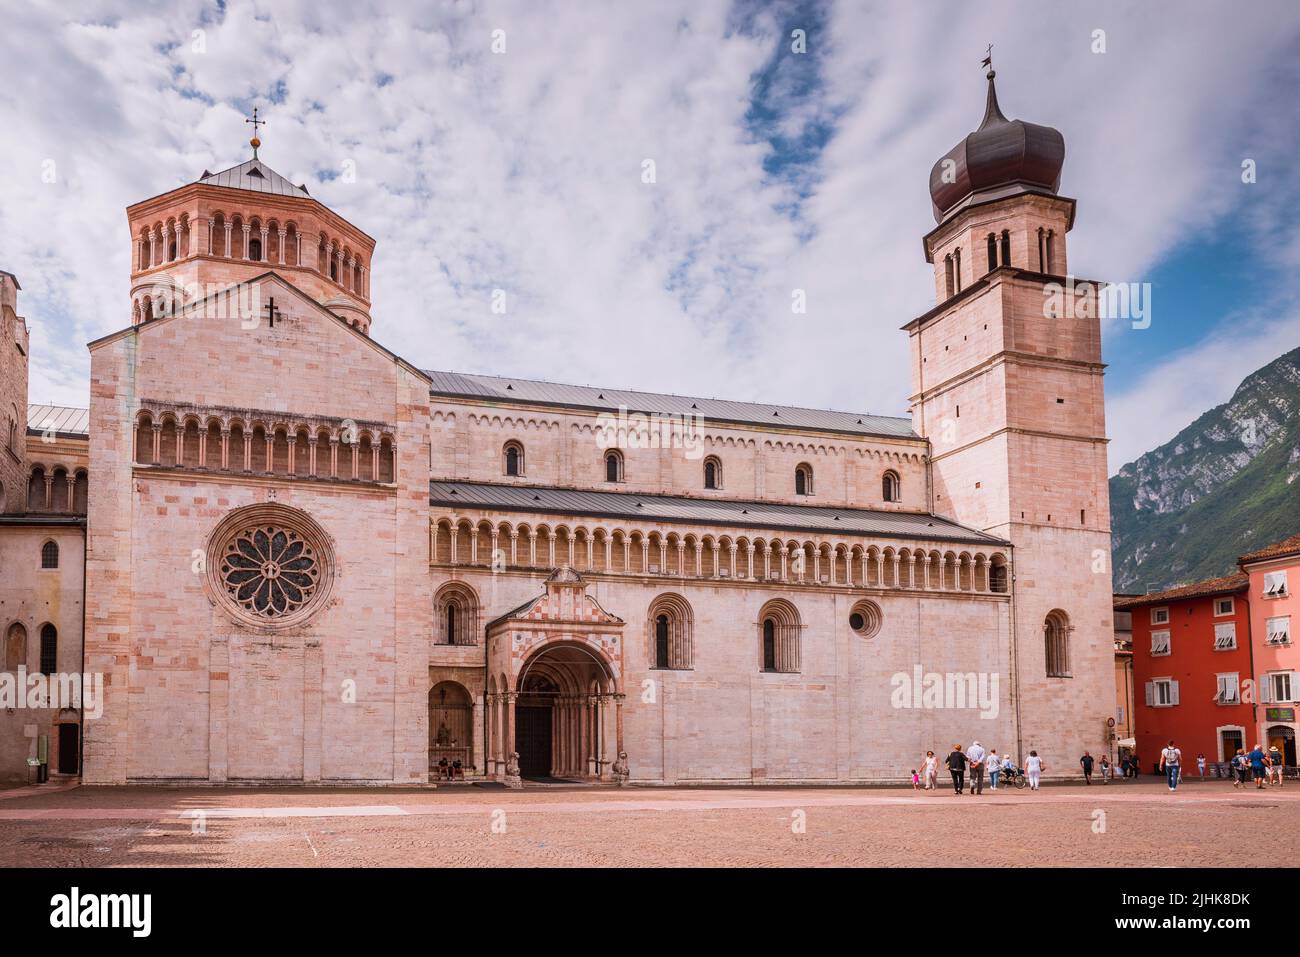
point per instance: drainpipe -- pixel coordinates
(1015, 656)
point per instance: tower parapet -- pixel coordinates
(231, 226)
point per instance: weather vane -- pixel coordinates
(255, 142)
(988, 59)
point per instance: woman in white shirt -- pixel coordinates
(1033, 769)
(929, 770)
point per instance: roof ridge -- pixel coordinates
(670, 395)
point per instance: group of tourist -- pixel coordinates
(1260, 764)
(981, 764)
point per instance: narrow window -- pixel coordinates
(451, 624)
(514, 461)
(1051, 253)
(661, 641)
(993, 252)
(712, 474)
(49, 650)
(1042, 258)
(613, 467)
(890, 487)
(947, 268)
(255, 250)
(1006, 248)
(803, 480)
(769, 645)
(50, 555)
(956, 268)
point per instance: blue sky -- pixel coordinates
(775, 171)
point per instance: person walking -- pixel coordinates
(994, 764)
(956, 765)
(1275, 764)
(930, 770)
(1239, 765)
(1033, 769)
(1200, 766)
(1136, 763)
(975, 759)
(1085, 762)
(1171, 760)
(1105, 769)
(1257, 761)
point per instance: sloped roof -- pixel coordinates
(255, 176)
(60, 418)
(672, 508)
(463, 385)
(1288, 546)
(1227, 585)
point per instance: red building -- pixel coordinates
(1191, 656)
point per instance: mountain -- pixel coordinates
(1226, 484)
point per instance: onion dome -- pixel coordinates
(1002, 158)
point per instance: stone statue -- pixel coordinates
(513, 780)
(444, 736)
(621, 770)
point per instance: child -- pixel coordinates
(916, 779)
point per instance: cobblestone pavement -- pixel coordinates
(1203, 824)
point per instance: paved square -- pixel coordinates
(1123, 824)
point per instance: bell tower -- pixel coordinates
(13, 398)
(234, 225)
(1007, 386)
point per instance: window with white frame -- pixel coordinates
(1159, 643)
(1162, 693)
(1277, 631)
(1279, 687)
(1274, 584)
(1159, 616)
(1225, 636)
(1222, 606)
(1227, 692)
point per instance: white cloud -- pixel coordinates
(522, 171)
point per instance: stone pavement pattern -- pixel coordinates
(1201, 825)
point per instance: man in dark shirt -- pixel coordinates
(1085, 762)
(957, 767)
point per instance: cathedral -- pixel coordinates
(275, 552)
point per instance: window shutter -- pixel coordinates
(1151, 692)
(1266, 690)
(1173, 692)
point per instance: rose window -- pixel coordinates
(270, 571)
(271, 565)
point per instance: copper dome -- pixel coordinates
(1001, 158)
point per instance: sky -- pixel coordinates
(507, 146)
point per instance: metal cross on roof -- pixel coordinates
(255, 142)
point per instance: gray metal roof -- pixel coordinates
(497, 388)
(253, 175)
(670, 508)
(60, 418)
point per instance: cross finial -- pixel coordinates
(988, 60)
(255, 142)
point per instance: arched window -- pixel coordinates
(947, 275)
(1042, 250)
(672, 627)
(779, 636)
(891, 490)
(712, 473)
(15, 647)
(998, 575)
(255, 250)
(993, 252)
(1056, 642)
(50, 555)
(49, 649)
(36, 490)
(803, 480)
(455, 615)
(613, 466)
(1051, 253)
(514, 459)
(956, 268)
(1006, 248)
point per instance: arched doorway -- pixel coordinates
(560, 715)
(1282, 737)
(451, 727)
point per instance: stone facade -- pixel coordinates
(309, 561)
